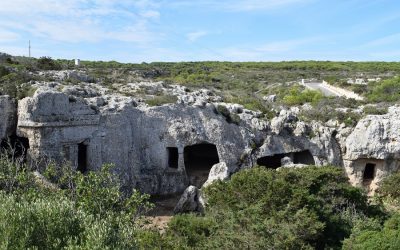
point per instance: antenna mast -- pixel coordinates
(29, 48)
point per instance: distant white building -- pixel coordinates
(77, 62)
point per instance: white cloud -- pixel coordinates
(194, 36)
(8, 36)
(239, 5)
(150, 14)
(80, 20)
(252, 5)
(391, 39)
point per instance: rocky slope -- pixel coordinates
(164, 149)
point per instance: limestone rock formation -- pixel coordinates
(190, 201)
(8, 116)
(219, 171)
(164, 149)
(372, 150)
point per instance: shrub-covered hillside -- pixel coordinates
(306, 208)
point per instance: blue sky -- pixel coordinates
(198, 30)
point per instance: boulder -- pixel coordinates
(190, 201)
(219, 171)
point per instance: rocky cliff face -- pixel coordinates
(372, 150)
(8, 116)
(164, 149)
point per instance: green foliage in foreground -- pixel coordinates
(90, 212)
(304, 208)
(370, 234)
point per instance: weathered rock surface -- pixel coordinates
(8, 116)
(374, 144)
(64, 122)
(219, 171)
(89, 125)
(190, 201)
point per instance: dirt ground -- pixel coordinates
(162, 212)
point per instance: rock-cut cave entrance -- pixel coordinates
(198, 160)
(272, 161)
(275, 161)
(303, 157)
(369, 173)
(82, 158)
(15, 147)
(173, 157)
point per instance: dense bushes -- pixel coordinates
(299, 97)
(46, 63)
(88, 212)
(371, 234)
(386, 91)
(389, 187)
(267, 209)
(311, 207)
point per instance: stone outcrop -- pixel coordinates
(372, 150)
(190, 201)
(156, 149)
(164, 149)
(219, 171)
(8, 117)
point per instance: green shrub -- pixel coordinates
(267, 209)
(298, 97)
(389, 188)
(370, 235)
(374, 110)
(46, 223)
(87, 212)
(385, 91)
(3, 71)
(191, 230)
(46, 63)
(230, 118)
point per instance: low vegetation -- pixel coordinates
(161, 100)
(83, 212)
(259, 208)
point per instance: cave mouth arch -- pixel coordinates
(198, 160)
(303, 157)
(275, 161)
(271, 161)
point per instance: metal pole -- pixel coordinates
(29, 48)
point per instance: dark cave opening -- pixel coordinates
(173, 157)
(369, 172)
(272, 161)
(275, 161)
(198, 160)
(82, 158)
(303, 157)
